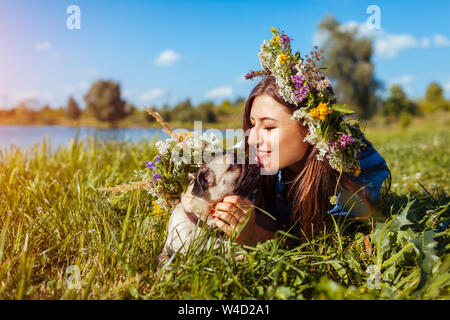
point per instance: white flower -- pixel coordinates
(163, 146)
(284, 85)
(322, 146)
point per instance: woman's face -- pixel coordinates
(278, 140)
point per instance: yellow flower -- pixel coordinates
(321, 111)
(272, 29)
(283, 58)
(157, 210)
(275, 39)
(357, 171)
(183, 135)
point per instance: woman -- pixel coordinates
(298, 195)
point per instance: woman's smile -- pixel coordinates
(263, 153)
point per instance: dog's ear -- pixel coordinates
(201, 182)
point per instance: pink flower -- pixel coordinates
(346, 140)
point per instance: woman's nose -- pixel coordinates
(257, 138)
(253, 138)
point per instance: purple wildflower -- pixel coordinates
(333, 145)
(301, 90)
(346, 140)
(158, 158)
(156, 176)
(285, 40)
(150, 165)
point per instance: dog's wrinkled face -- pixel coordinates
(221, 177)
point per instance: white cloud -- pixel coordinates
(41, 46)
(127, 92)
(19, 95)
(386, 45)
(389, 45)
(219, 92)
(151, 94)
(405, 81)
(167, 58)
(441, 41)
(447, 87)
(319, 37)
(47, 46)
(12, 98)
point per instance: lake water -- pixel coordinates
(26, 136)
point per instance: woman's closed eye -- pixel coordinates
(265, 128)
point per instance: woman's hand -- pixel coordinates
(235, 216)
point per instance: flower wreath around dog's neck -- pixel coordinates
(331, 127)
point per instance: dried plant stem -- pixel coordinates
(140, 185)
(166, 128)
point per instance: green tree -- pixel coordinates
(348, 62)
(434, 99)
(73, 110)
(47, 115)
(398, 103)
(165, 112)
(26, 111)
(183, 111)
(104, 101)
(238, 101)
(206, 112)
(225, 108)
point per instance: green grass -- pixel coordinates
(53, 217)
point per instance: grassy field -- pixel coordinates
(61, 238)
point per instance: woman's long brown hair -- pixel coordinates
(313, 185)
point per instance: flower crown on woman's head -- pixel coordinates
(336, 137)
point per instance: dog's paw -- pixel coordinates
(162, 257)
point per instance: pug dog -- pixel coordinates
(221, 177)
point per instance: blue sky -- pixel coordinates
(166, 51)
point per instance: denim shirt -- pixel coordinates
(374, 171)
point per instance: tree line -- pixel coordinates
(104, 102)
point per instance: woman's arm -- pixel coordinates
(262, 234)
(236, 217)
